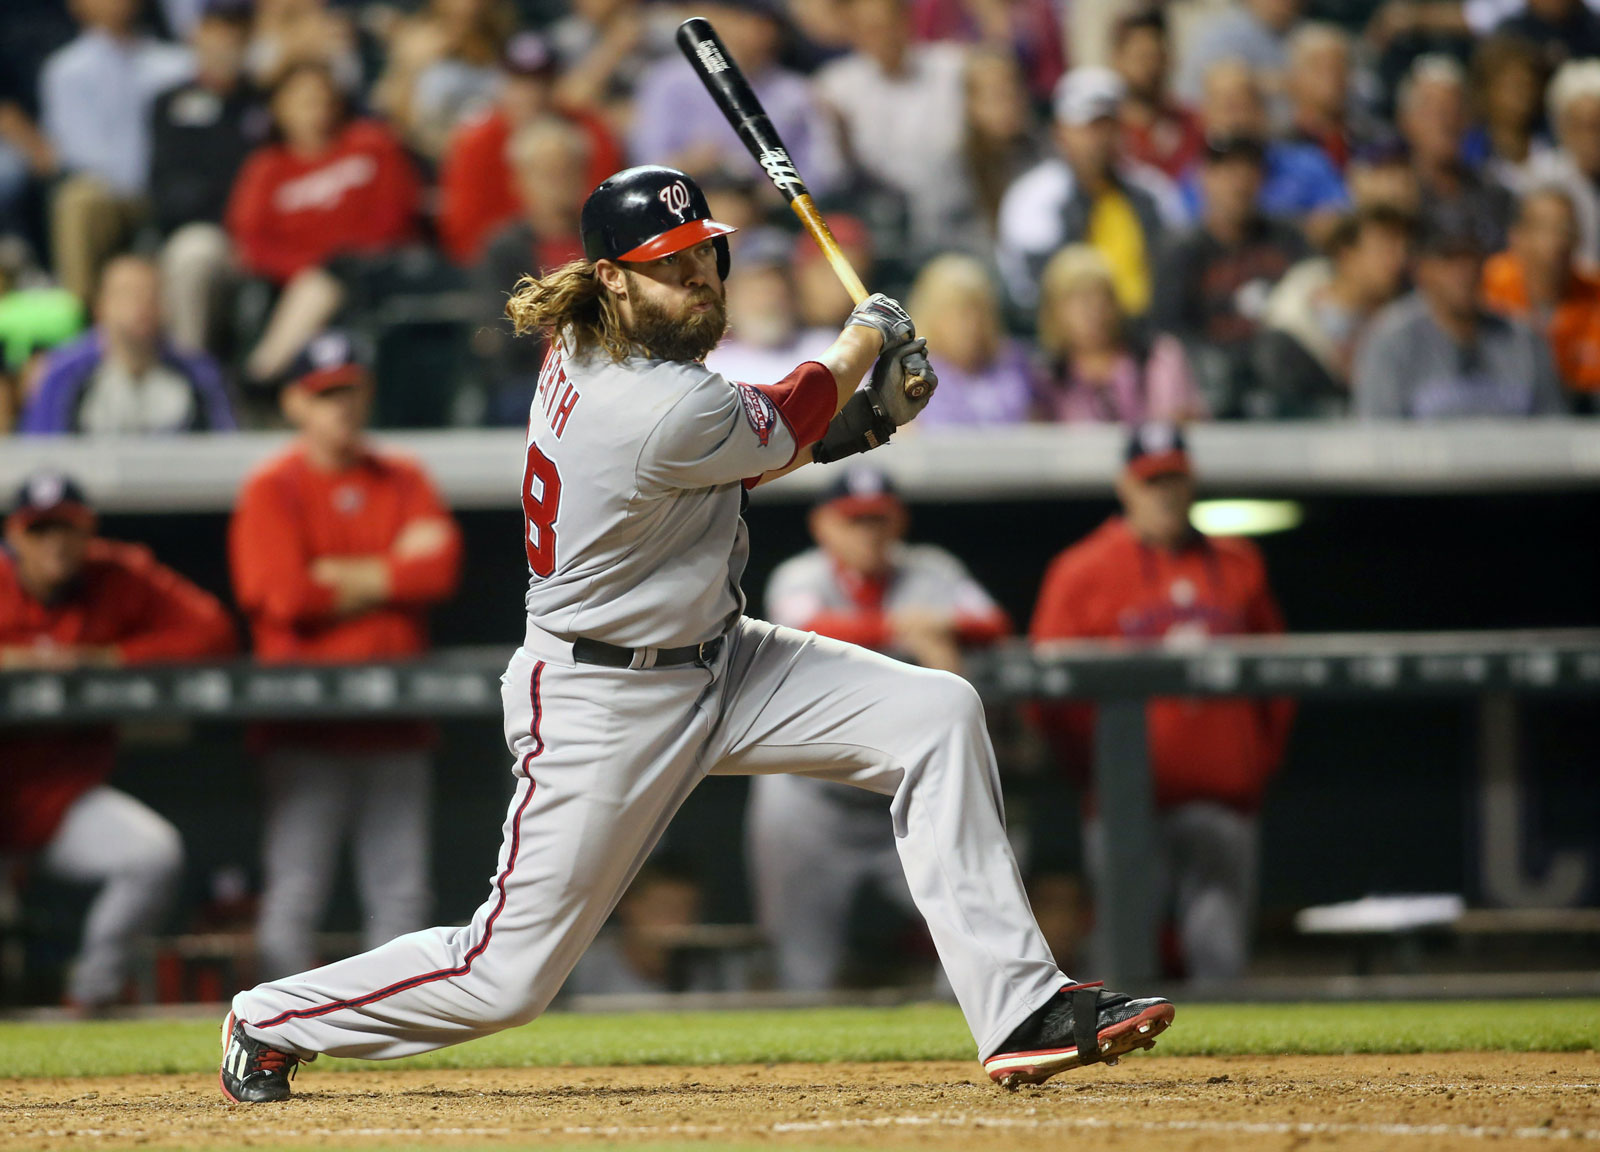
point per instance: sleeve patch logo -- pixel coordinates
(758, 411)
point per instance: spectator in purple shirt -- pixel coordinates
(1098, 369)
(676, 124)
(124, 377)
(983, 373)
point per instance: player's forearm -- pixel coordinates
(358, 582)
(197, 638)
(850, 358)
(801, 459)
(424, 579)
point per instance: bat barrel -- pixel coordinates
(709, 57)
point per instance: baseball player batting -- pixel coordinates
(639, 674)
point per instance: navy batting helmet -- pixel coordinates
(649, 212)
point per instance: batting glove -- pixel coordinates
(885, 314)
(889, 376)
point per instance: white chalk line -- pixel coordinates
(1219, 1127)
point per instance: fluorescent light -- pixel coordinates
(1245, 517)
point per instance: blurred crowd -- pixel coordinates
(1110, 210)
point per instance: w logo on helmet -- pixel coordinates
(676, 197)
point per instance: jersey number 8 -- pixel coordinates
(541, 504)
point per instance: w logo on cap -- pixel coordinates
(676, 197)
(330, 350)
(46, 490)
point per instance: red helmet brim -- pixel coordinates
(677, 239)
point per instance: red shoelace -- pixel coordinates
(271, 1060)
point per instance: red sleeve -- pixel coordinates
(1059, 612)
(868, 629)
(251, 218)
(1067, 728)
(271, 564)
(807, 399)
(974, 629)
(426, 579)
(170, 618)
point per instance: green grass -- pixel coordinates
(920, 1032)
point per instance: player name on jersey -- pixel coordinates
(556, 397)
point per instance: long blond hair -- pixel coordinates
(572, 305)
(953, 280)
(1074, 268)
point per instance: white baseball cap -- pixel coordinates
(1085, 95)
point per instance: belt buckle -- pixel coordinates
(700, 657)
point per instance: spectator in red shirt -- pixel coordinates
(478, 189)
(1147, 575)
(69, 599)
(328, 191)
(1156, 129)
(337, 551)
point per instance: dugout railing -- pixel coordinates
(1494, 667)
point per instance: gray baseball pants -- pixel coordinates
(108, 838)
(313, 799)
(604, 757)
(809, 852)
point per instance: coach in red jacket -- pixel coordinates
(1148, 575)
(338, 550)
(69, 599)
(328, 188)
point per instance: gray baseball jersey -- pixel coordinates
(632, 492)
(634, 537)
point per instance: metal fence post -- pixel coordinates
(1126, 909)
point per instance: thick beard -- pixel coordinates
(688, 337)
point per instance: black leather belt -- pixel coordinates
(586, 651)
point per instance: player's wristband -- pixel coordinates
(860, 426)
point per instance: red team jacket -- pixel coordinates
(290, 514)
(125, 600)
(1112, 585)
(288, 213)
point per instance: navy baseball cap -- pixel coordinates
(1156, 449)
(50, 497)
(862, 491)
(331, 360)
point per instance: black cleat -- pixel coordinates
(1082, 1024)
(253, 1072)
